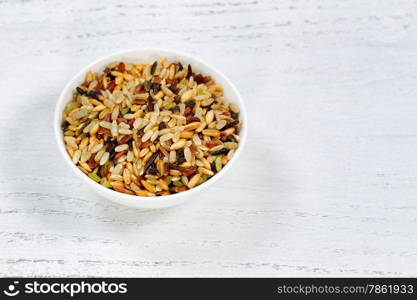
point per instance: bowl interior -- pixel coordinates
(150, 55)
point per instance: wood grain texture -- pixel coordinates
(325, 187)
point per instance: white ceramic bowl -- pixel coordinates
(150, 55)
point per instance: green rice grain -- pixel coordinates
(170, 105)
(70, 107)
(107, 184)
(94, 176)
(177, 183)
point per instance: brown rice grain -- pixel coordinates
(209, 116)
(186, 134)
(201, 127)
(148, 186)
(143, 152)
(126, 176)
(85, 166)
(211, 132)
(217, 148)
(192, 126)
(194, 180)
(196, 139)
(147, 156)
(118, 184)
(207, 172)
(228, 131)
(144, 193)
(234, 108)
(220, 124)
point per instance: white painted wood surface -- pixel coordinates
(325, 187)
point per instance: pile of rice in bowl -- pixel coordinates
(150, 129)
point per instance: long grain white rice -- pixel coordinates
(147, 136)
(187, 154)
(104, 158)
(121, 148)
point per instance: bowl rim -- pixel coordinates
(159, 201)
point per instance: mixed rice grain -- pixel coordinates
(150, 129)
